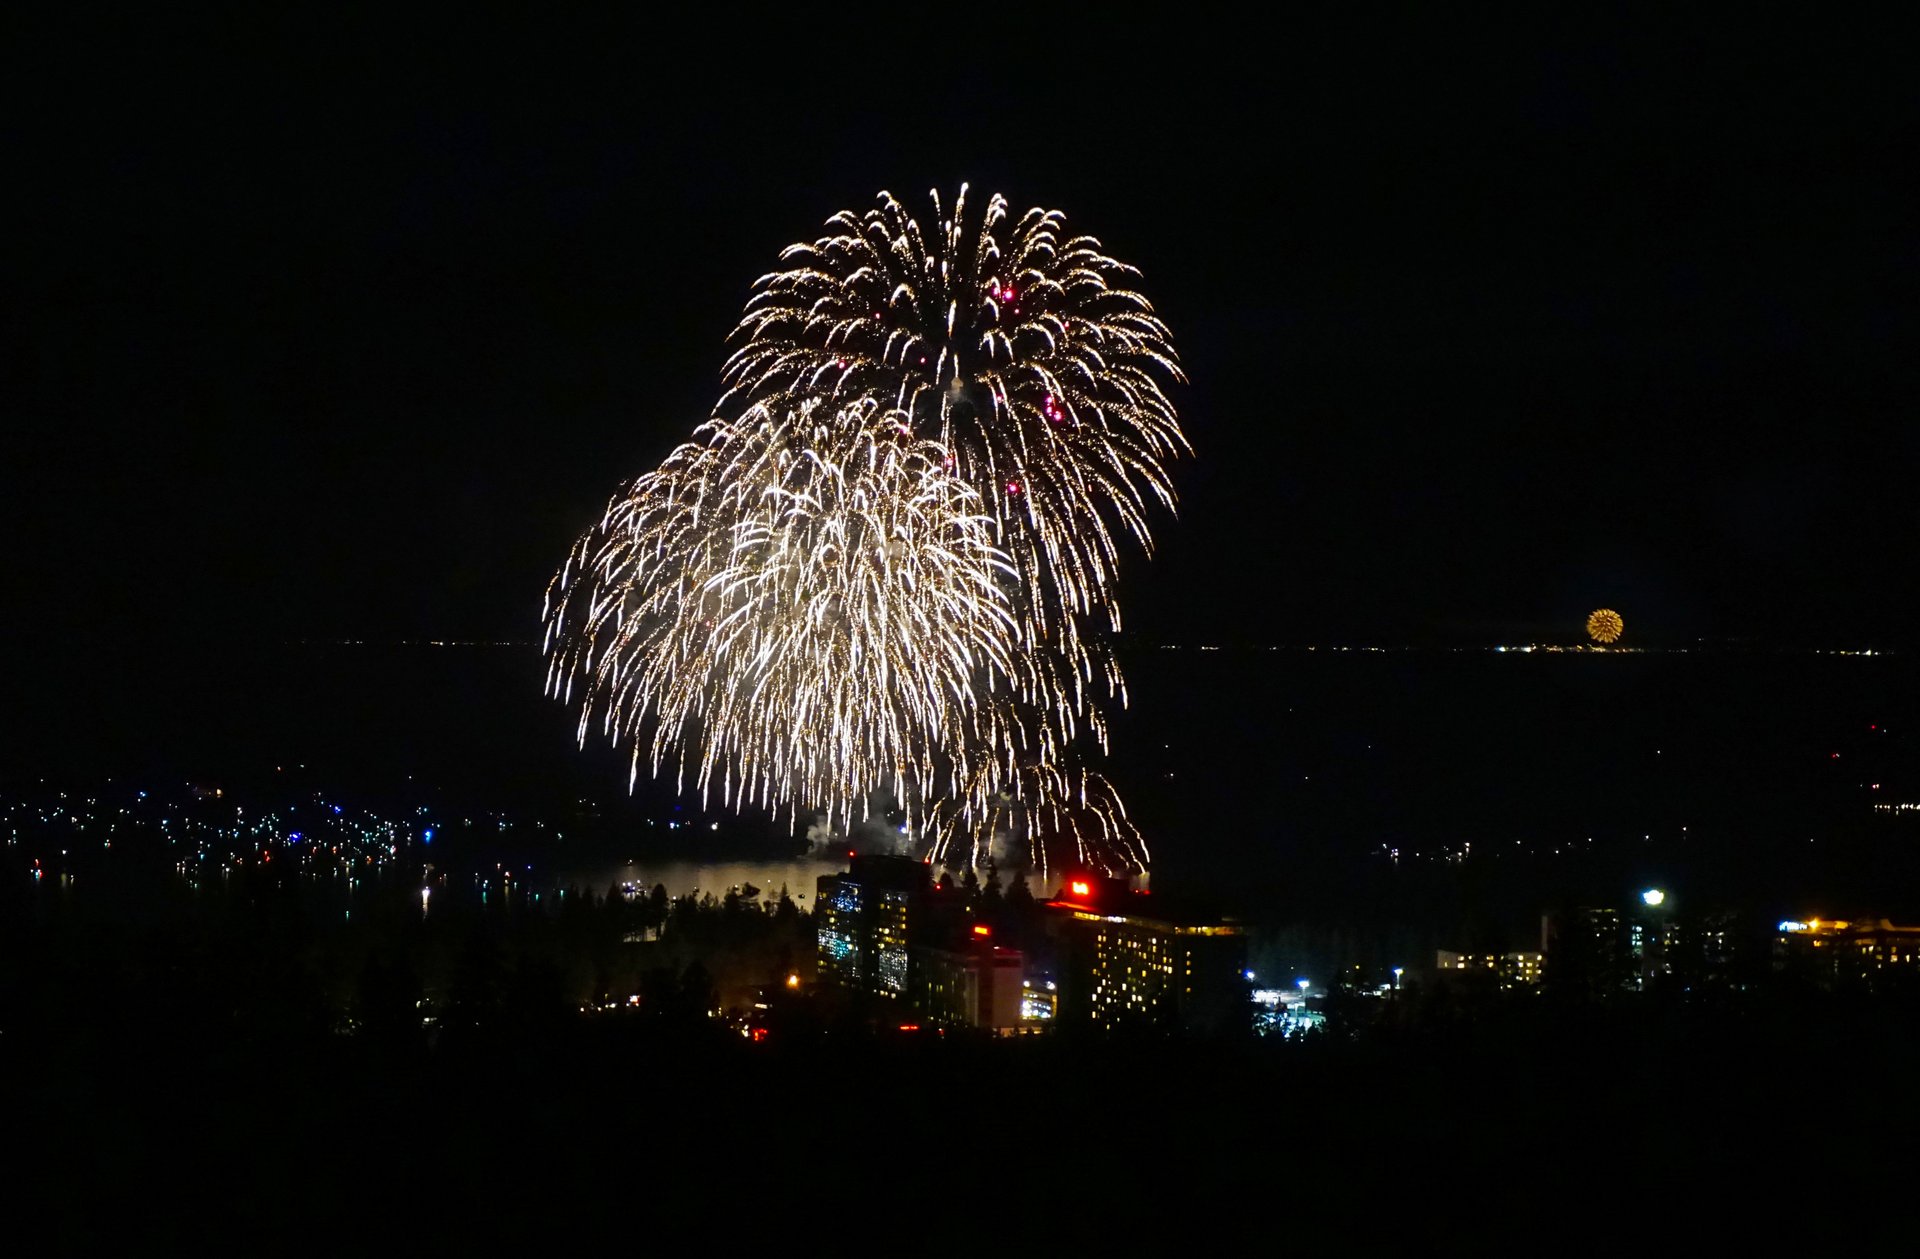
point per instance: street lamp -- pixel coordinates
(1397, 972)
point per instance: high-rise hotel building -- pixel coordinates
(1133, 960)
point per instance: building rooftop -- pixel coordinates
(1099, 897)
(896, 873)
(1844, 926)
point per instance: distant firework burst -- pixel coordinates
(1605, 626)
(865, 577)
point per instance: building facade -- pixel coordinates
(977, 985)
(1510, 970)
(1134, 961)
(1585, 949)
(1842, 953)
(1603, 950)
(862, 920)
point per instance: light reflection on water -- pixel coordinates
(684, 877)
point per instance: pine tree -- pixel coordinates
(990, 897)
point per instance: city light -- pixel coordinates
(793, 981)
(1653, 896)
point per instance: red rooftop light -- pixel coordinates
(1080, 888)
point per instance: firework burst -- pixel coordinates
(1024, 350)
(866, 575)
(797, 608)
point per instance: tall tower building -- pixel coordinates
(1586, 949)
(862, 918)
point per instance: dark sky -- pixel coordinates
(345, 331)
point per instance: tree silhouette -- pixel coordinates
(991, 900)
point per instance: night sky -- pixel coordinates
(346, 331)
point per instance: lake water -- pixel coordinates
(1268, 770)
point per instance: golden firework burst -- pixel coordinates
(869, 575)
(1605, 626)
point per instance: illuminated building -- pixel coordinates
(1719, 955)
(1599, 950)
(862, 919)
(1039, 1002)
(1511, 970)
(1653, 940)
(1586, 949)
(1842, 953)
(1652, 946)
(1139, 961)
(976, 985)
(1602, 950)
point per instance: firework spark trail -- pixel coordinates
(1049, 808)
(874, 578)
(1023, 350)
(798, 610)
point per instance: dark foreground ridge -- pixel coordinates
(276, 1053)
(173, 1138)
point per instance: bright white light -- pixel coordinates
(1249, 975)
(1653, 896)
(1791, 925)
(1305, 984)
